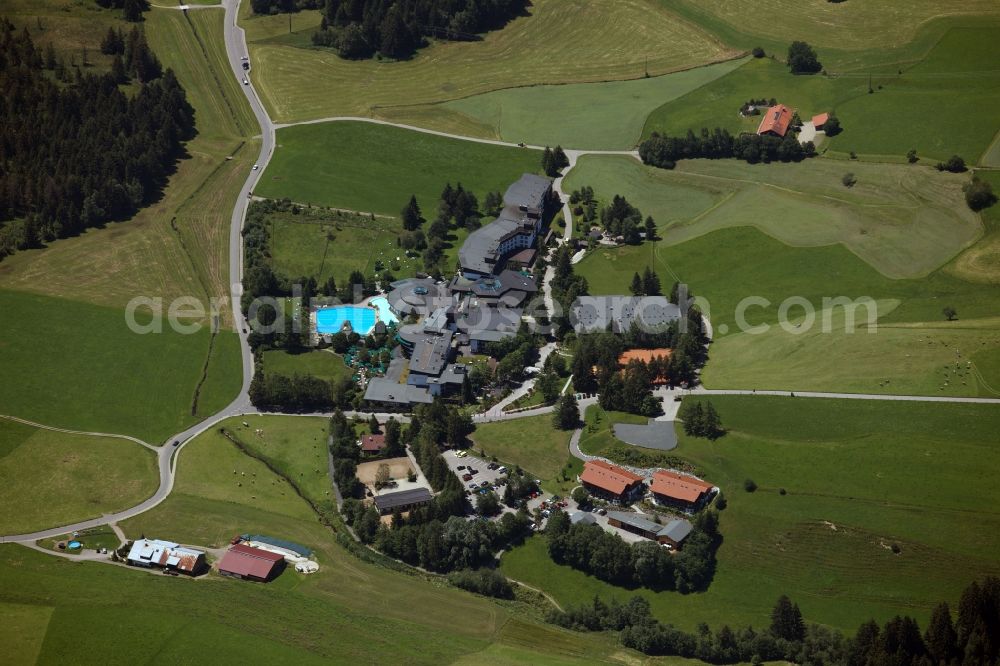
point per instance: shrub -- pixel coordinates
(911, 156)
(955, 164)
(849, 179)
(802, 59)
(782, 491)
(487, 582)
(979, 194)
(749, 485)
(758, 52)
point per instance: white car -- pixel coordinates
(255, 167)
(244, 58)
(245, 82)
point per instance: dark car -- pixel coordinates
(466, 477)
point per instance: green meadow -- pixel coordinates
(375, 168)
(323, 244)
(595, 116)
(556, 41)
(860, 477)
(903, 220)
(53, 478)
(899, 115)
(319, 363)
(812, 238)
(100, 376)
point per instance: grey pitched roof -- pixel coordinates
(381, 389)
(402, 498)
(636, 521)
(528, 192)
(676, 530)
(583, 517)
(479, 252)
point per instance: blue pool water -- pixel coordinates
(329, 320)
(385, 315)
(362, 318)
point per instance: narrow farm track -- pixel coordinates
(167, 455)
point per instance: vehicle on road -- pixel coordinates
(256, 166)
(246, 66)
(245, 82)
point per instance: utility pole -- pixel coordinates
(289, 24)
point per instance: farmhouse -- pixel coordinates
(672, 534)
(248, 563)
(156, 553)
(372, 445)
(776, 121)
(402, 500)
(820, 120)
(610, 482)
(680, 491)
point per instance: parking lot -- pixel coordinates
(462, 466)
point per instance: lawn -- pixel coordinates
(53, 478)
(903, 220)
(375, 168)
(954, 73)
(323, 243)
(560, 41)
(596, 116)
(90, 372)
(847, 29)
(857, 479)
(530, 442)
(319, 363)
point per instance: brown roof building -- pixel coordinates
(645, 355)
(820, 120)
(372, 444)
(250, 563)
(776, 121)
(678, 490)
(611, 482)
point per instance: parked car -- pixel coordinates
(461, 467)
(473, 485)
(466, 477)
(492, 465)
(502, 470)
(461, 454)
(485, 484)
(602, 512)
(473, 471)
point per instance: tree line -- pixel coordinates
(970, 637)
(131, 9)
(620, 218)
(591, 549)
(664, 151)
(359, 29)
(75, 151)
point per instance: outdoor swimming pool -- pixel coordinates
(362, 318)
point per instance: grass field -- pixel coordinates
(955, 73)
(323, 244)
(530, 442)
(596, 116)
(88, 371)
(845, 29)
(905, 221)
(375, 168)
(53, 478)
(322, 364)
(561, 41)
(886, 219)
(858, 479)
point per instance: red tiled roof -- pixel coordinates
(608, 477)
(678, 486)
(247, 561)
(820, 120)
(372, 443)
(776, 119)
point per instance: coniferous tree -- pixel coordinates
(786, 620)
(650, 283)
(411, 216)
(940, 637)
(650, 229)
(637, 287)
(567, 414)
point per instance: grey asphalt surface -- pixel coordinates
(653, 435)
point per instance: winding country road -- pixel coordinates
(168, 453)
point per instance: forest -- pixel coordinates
(359, 29)
(76, 151)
